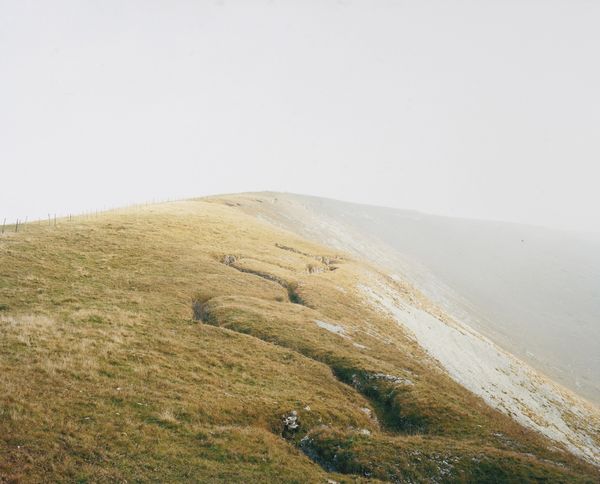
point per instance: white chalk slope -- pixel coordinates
(500, 379)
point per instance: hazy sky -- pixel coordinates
(487, 109)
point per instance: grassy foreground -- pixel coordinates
(173, 342)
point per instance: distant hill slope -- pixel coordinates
(533, 290)
(192, 341)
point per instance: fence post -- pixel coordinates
(3, 224)
(17, 226)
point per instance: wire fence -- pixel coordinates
(53, 220)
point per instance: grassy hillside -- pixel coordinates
(175, 342)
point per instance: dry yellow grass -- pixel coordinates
(105, 375)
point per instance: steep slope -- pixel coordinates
(533, 290)
(502, 380)
(191, 341)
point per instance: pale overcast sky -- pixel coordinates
(486, 109)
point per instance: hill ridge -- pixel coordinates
(107, 374)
